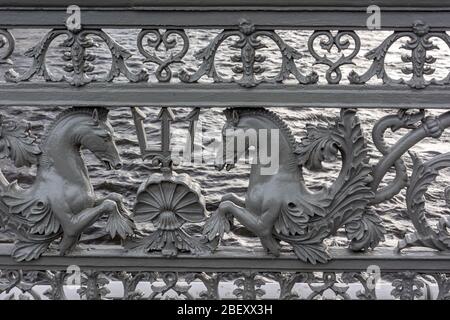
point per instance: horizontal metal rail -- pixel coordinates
(223, 95)
(229, 259)
(224, 3)
(415, 24)
(218, 14)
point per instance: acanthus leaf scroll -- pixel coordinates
(78, 61)
(423, 175)
(248, 70)
(419, 42)
(18, 143)
(249, 41)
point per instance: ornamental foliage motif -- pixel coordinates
(96, 285)
(52, 214)
(39, 218)
(248, 65)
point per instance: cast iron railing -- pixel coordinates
(182, 255)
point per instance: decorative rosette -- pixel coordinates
(168, 202)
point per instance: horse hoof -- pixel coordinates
(271, 246)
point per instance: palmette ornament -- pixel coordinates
(169, 201)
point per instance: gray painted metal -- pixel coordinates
(229, 259)
(226, 3)
(324, 14)
(343, 205)
(285, 18)
(223, 95)
(65, 202)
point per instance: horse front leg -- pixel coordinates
(233, 198)
(76, 224)
(260, 225)
(116, 197)
(237, 201)
(119, 223)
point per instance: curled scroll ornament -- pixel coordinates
(407, 285)
(79, 62)
(249, 41)
(6, 39)
(171, 283)
(443, 282)
(24, 282)
(341, 42)
(402, 120)
(93, 285)
(424, 174)
(330, 282)
(163, 72)
(419, 43)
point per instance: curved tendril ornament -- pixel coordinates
(419, 43)
(341, 42)
(424, 174)
(79, 62)
(249, 41)
(6, 38)
(169, 40)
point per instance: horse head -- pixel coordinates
(98, 137)
(239, 134)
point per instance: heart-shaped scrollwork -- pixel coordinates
(154, 40)
(327, 42)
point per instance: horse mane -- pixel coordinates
(102, 114)
(282, 125)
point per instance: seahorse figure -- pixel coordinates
(61, 203)
(280, 207)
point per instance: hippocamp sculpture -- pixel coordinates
(280, 207)
(61, 203)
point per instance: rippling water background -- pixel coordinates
(215, 184)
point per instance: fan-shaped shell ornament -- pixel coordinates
(168, 202)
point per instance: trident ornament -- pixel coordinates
(161, 157)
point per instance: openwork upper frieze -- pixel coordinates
(166, 55)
